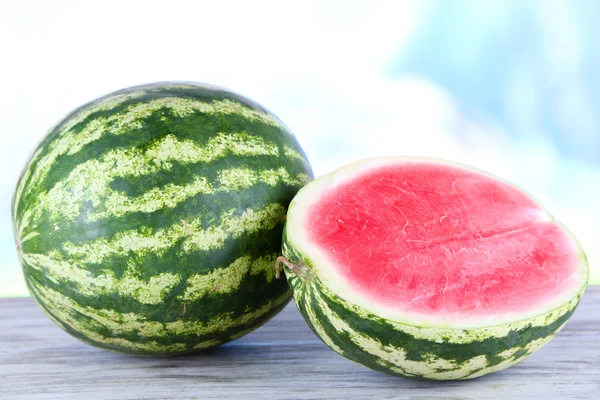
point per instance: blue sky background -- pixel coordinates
(510, 87)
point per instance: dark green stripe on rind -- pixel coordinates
(410, 351)
(222, 171)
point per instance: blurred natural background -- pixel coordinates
(512, 87)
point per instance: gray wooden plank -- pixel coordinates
(281, 360)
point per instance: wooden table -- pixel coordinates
(281, 360)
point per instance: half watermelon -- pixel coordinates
(429, 269)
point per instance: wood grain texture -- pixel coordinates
(281, 360)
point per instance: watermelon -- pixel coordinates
(429, 269)
(148, 221)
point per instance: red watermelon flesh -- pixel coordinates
(436, 239)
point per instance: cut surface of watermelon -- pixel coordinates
(435, 244)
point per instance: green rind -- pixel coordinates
(170, 254)
(415, 352)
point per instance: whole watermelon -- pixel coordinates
(148, 221)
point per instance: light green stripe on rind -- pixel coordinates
(151, 291)
(302, 296)
(243, 178)
(117, 204)
(207, 344)
(87, 321)
(69, 142)
(465, 336)
(294, 154)
(228, 279)
(507, 355)
(29, 236)
(371, 345)
(250, 221)
(90, 181)
(194, 238)
(19, 191)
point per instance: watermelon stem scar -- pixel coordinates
(300, 270)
